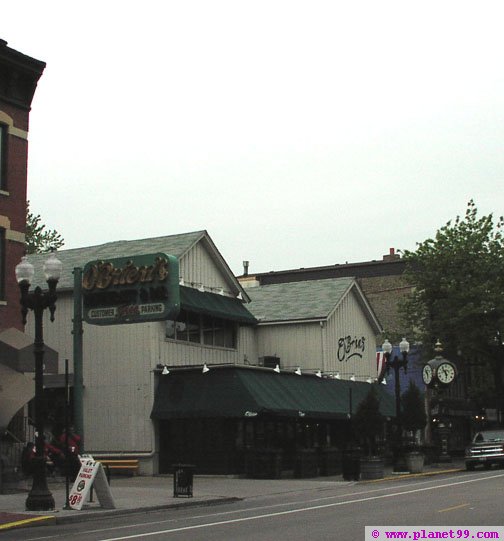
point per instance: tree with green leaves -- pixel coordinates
(458, 293)
(368, 422)
(39, 239)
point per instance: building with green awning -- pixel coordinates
(228, 371)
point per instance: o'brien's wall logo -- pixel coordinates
(349, 347)
(131, 289)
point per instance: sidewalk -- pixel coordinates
(144, 493)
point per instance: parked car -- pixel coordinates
(487, 448)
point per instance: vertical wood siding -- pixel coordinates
(197, 267)
(313, 346)
(118, 373)
(348, 320)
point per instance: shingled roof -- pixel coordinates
(307, 300)
(176, 245)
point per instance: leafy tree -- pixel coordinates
(458, 295)
(368, 422)
(39, 239)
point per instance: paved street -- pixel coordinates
(318, 511)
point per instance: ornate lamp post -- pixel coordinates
(39, 498)
(396, 364)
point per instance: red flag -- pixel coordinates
(380, 365)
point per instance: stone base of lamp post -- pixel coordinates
(444, 435)
(39, 497)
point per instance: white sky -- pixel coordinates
(297, 133)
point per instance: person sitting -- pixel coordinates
(71, 442)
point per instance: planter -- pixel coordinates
(372, 467)
(414, 462)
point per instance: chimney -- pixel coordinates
(245, 268)
(391, 256)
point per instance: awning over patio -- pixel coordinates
(241, 392)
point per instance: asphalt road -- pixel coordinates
(340, 512)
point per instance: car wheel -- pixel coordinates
(470, 467)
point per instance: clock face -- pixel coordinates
(427, 374)
(445, 373)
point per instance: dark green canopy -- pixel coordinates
(239, 392)
(215, 305)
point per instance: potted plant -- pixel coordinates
(413, 419)
(368, 426)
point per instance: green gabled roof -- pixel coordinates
(311, 299)
(176, 245)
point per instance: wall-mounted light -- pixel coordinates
(298, 371)
(165, 371)
(205, 369)
(277, 369)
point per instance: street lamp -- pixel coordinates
(396, 364)
(39, 498)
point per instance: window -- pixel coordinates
(3, 157)
(202, 329)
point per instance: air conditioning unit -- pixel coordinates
(269, 361)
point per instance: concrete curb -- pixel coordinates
(29, 521)
(405, 475)
(92, 515)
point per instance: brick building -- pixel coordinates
(19, 75)
(18, 79)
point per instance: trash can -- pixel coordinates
(351, 464)
(183, 480)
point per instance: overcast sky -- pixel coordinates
(296, 133)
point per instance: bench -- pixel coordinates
(119, 465)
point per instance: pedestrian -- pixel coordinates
(70, 441)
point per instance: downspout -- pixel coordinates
(322, 347)
(77, 332)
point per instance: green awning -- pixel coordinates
(242, 392)
(215, 305)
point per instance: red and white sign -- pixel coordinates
(83, 483)
(91, 472)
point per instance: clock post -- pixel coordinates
(437, 375)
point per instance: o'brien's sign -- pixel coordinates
(131, 289)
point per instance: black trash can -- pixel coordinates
(351, 464)
(183, 480)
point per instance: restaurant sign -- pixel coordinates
(131, 289)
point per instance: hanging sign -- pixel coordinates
(90, 474)
(131, 289)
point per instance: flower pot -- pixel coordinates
(371, 467)
(414, 462)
